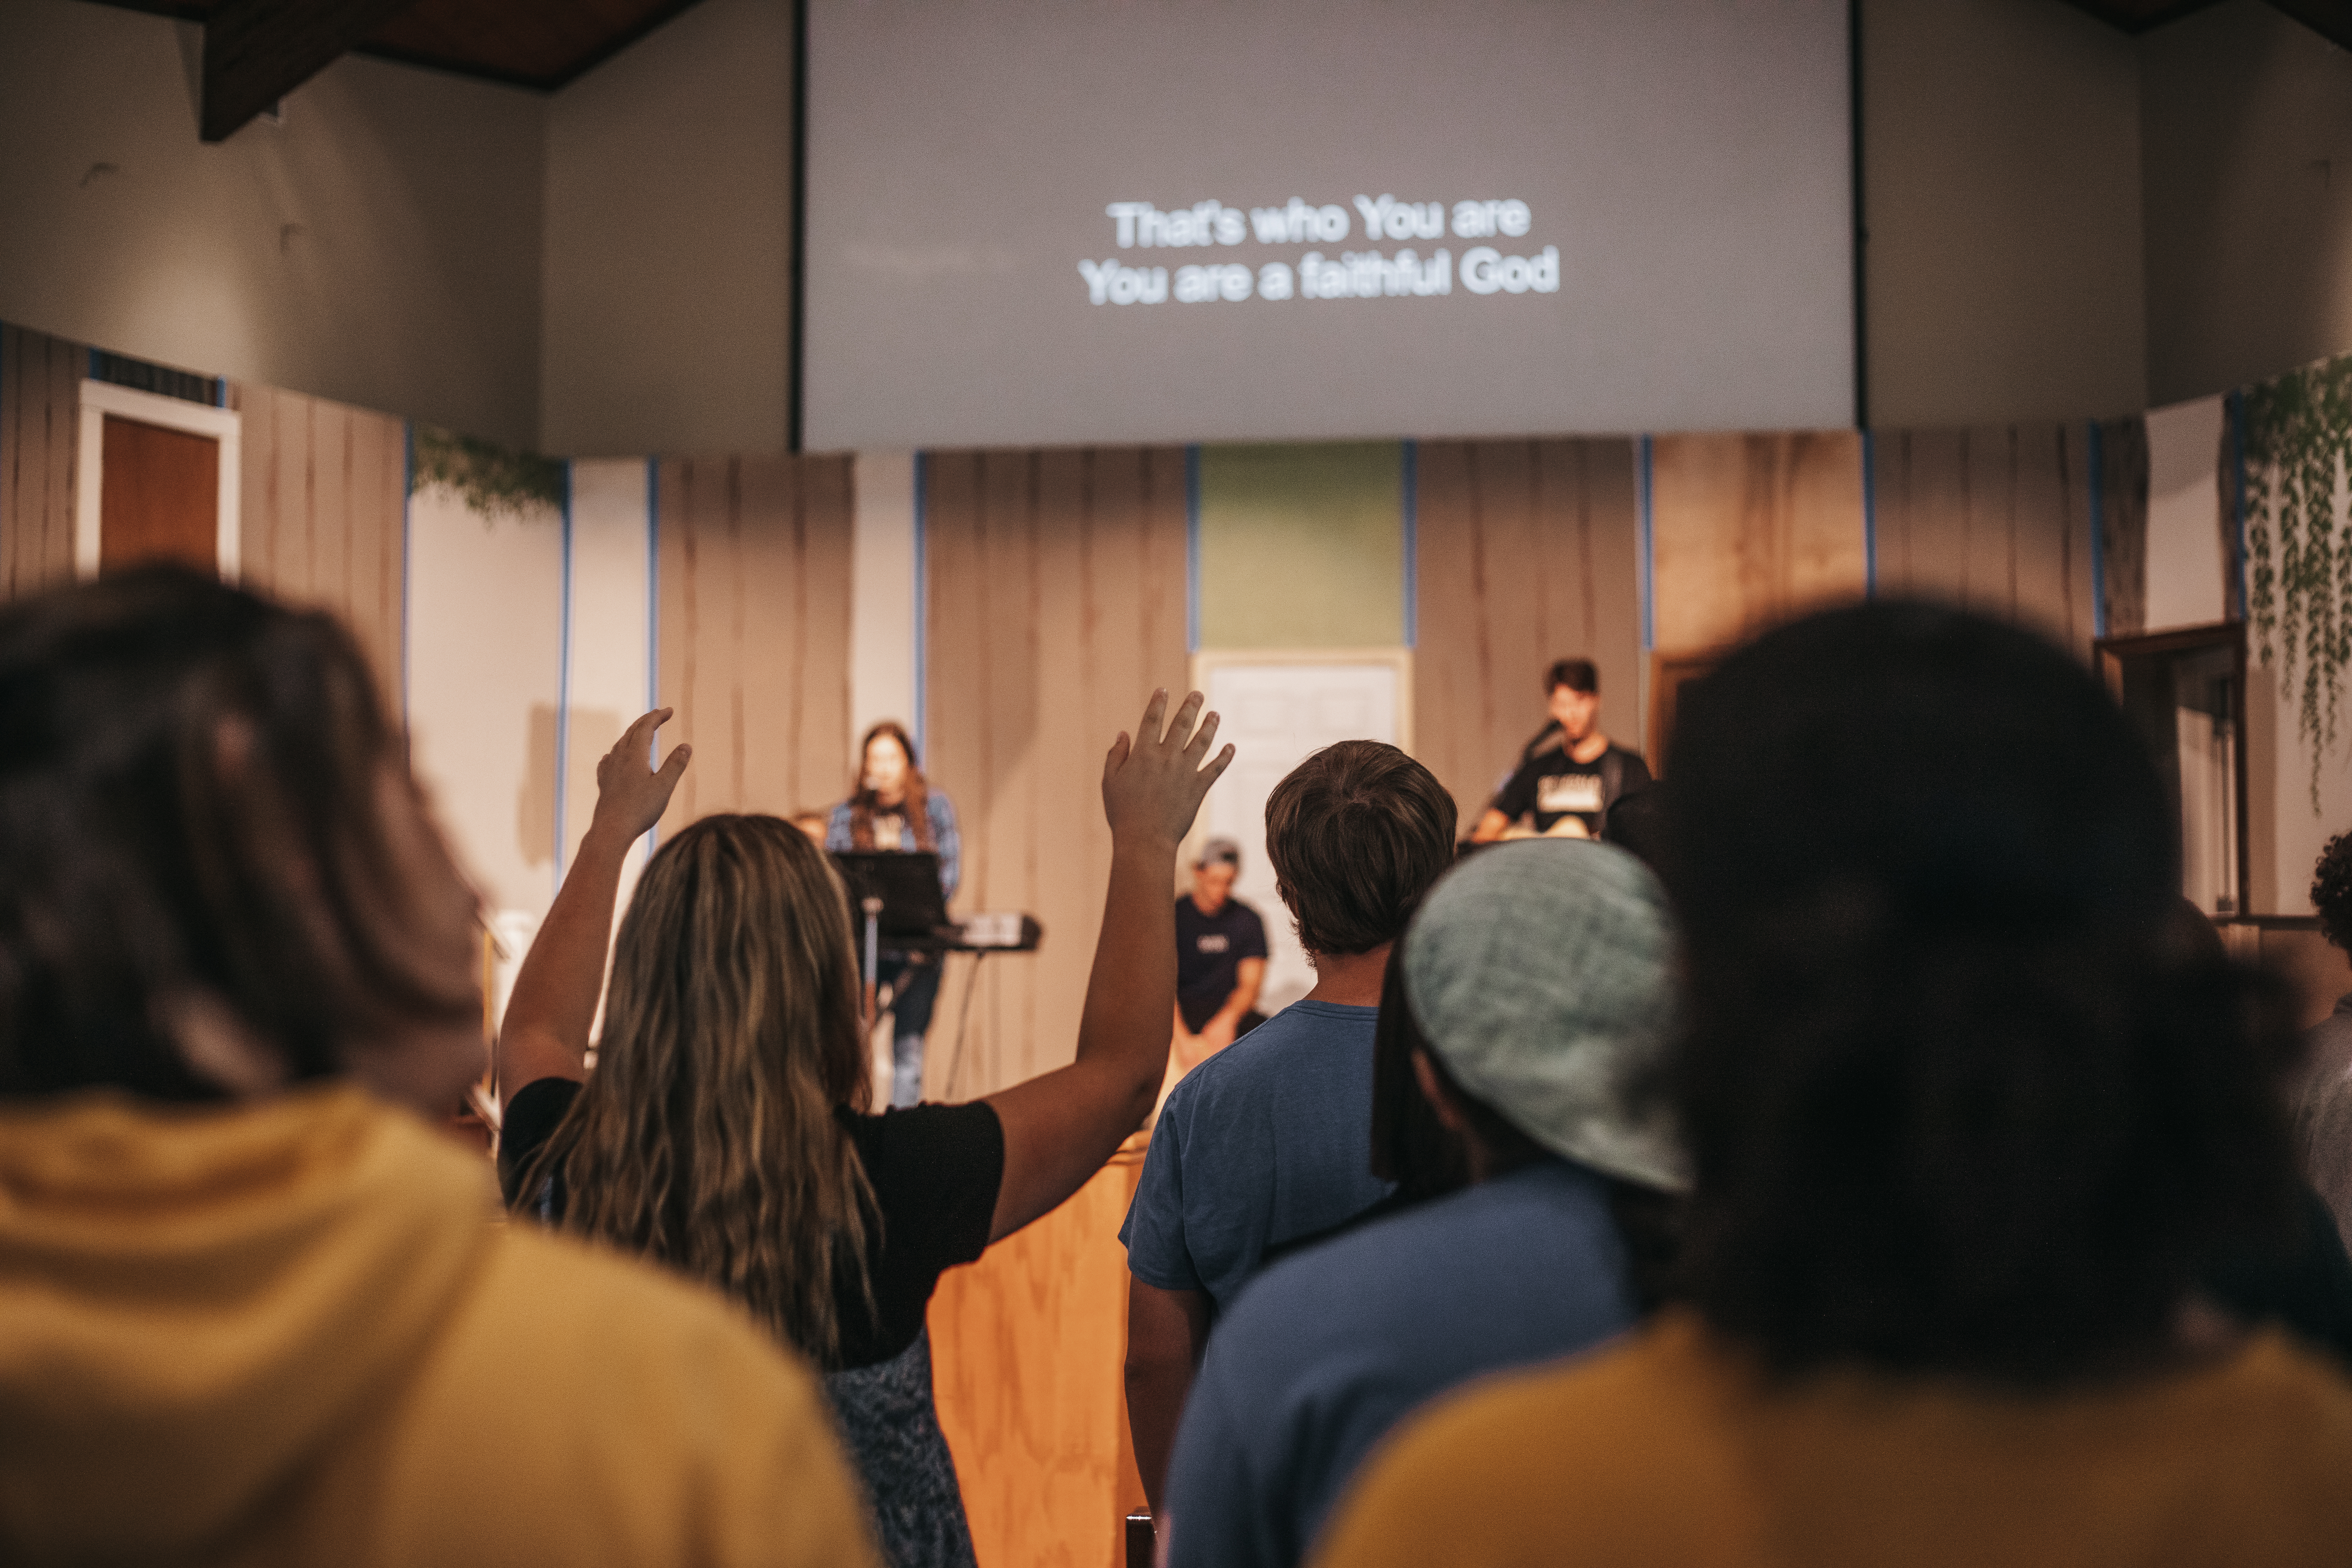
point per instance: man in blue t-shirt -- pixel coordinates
(1220, 958)
(1270, 1139)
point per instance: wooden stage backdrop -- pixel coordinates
(1028, 1351)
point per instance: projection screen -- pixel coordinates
(1065, 222)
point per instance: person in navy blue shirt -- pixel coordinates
(1220, 958)
(1267, 1141)
(1534, 987)
(895, 807)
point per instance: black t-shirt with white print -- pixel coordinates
(1552, 785)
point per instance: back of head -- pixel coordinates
(2331, 890)
(205, 811)
(1956, 1096)
(1356, 834)
(708, 1135)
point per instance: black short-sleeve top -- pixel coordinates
(934, 1169)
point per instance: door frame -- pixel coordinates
(101, 398)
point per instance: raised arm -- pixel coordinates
(545, 1031)
(1060, 1127)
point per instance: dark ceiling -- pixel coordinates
(2331, 19)
(256, 51)
(542, 44)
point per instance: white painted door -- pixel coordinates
(1276, 714)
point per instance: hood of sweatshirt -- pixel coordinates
(194, 1300)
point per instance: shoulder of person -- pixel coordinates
(1452, 1481)
(724, 1434)
(920, 1130)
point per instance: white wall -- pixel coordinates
(485, 668)
(2002, 166)
(668, 243)
(2247, 134)
(2184, 534)
(380, 247)
(885, 567)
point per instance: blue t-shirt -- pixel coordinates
(1328, 1350)
(1267, 1140)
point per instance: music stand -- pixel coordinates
(898, 894)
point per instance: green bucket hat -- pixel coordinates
(1541, 973)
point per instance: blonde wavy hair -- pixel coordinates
(707, 1138)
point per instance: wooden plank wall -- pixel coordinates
(40, 399)
(752, 560)
(1528, 551)
(1055, 591)
(1996, 519)
(1028, 1353)
(1749, 529)
(323, 513)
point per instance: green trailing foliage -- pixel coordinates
(2297, 436)
(491, 479)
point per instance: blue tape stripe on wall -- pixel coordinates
(653, 584)
(1869, 515)
(2096, 450)
(1410, 483)
(1193, 549)
(1649, 553)
(922, 603)
(653, 616)
(563, 682)
(407, 489)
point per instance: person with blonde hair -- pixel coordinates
(253, 1308)
(725, 1131)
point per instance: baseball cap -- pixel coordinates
(1542, 973)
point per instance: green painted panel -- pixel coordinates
(1302, 546)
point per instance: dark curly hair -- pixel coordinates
(191, 802)
(1958, 1097)
(2331, 890)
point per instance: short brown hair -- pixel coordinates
(1576, 674)
(1356, 835)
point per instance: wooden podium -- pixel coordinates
(1028, 1357)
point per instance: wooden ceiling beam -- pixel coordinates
(257, 51)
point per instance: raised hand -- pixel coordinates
(631, 794)
(1152, 785)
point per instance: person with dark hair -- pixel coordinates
(1542, 973)
(1220, 958)
(2321, 1095)
(1265, 1141)
(893, 806)
(251, 1308)
(725, 1130)
(1571, 773)
(1967, 1122)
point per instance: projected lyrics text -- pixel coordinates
(1408, 272)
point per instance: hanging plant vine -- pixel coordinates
(2297, 436)
(491, 479)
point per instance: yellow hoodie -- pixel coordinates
(288, 1331)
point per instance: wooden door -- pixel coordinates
(159, 498)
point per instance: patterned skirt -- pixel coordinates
(892, 1429)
